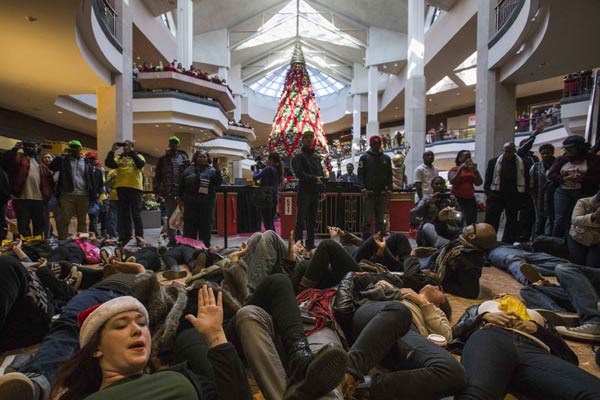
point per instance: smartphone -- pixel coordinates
(84, 235)
(121, 144)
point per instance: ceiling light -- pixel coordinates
(430, 99)
(395, 65)
(156, 126)
(396, 107)
(59, 112)
(384, 66)
(458, 94)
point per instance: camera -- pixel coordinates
(121, 144)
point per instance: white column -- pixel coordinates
(237, 113)
(373, 108)
(185, 32)
(223, 73)
(495, 103)
(414, 100)
(356, 100)
(237, 170)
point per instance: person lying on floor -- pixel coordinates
(507, 348)
(311, 374)
(195, 258)
(447, 225)
(387, 324)
(115, 347)
(579, 291)
(456, 266)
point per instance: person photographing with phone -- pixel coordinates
(76, 187)
(129, 183)
(440, 215)
(464, 177)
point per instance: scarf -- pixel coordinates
(450, 251)
(318, 304)
(520, 174)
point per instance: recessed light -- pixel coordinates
(396, 108)
(395, 65)
(156, 126)
(169, 125)
(384, 66)
(430, 99)
(458, 94)
(59, 112)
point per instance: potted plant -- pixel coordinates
(150, 212)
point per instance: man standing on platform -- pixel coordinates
(76, 187)
(167, 179)
(308, 170)
(349, 176)
(424, 174)
(31, 185)
(375, 179)
(129, 183)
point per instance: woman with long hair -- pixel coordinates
(270, 179)
(198, 187)
(115, 346)
(464, 176)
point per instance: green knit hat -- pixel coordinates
(75, 143)
(174, 139)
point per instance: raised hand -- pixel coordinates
(209, 320)
(235, 256)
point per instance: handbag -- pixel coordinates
(264, 197)
(176, 220)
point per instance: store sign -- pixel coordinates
(288, 206)
(472, 120)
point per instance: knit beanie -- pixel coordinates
(92, 319)
(374, 138)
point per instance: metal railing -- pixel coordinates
(578, 84)
(504, 10)
(592, 125)
(108, 15)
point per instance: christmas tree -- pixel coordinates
(297, 112)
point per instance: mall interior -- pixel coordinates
(220, 76)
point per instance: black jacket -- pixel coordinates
(62, 164)
(471, 321)
(375, 172)
(307, 167)
(190, 181)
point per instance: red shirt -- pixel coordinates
(465, 189)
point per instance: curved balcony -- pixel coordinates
(169, 80)
(247, 133)
(232, 147)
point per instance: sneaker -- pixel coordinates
(325, 371)
(119, 254)
(17, 386)
(171, 275)
(531, 274)
(584, 332)
(200, 263)
(74, 278)
(567, 319)
(104, 255)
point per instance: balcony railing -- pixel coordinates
(108, 15)
(504, 10)
(577, 84)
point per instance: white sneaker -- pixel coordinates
(16, 386)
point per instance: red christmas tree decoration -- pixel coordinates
(297, 112)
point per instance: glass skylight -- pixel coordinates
(444, 84)
(272, 84)
(311, 25)
(468, 76)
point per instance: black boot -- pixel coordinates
(314, 375)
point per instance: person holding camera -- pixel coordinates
(464, 176)
(31, 186)
(76, 187)
(375, 180)
(129, 183)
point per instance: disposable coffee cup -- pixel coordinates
(437, 339)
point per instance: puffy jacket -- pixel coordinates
(307, 167)
(190, 181)
(375, 172)
(471, 321)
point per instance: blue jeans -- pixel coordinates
(111, 218)
(306, 217)
(551, 297)
(522, 367)
(508, 258)
(63, 339)
(583, 255)
(582, 285)
(564, 202)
